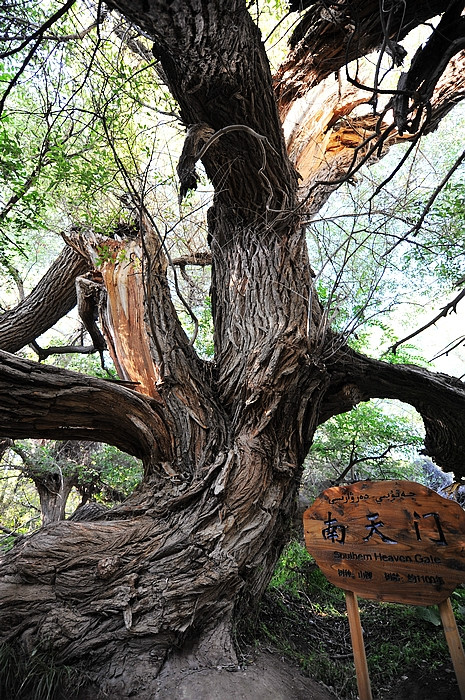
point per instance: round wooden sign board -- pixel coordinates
(396, 541)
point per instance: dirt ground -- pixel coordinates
(272, 677)
(268, 677)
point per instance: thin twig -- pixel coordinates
(39, 33)
(449, 347)
(414, 230)
(451, 306)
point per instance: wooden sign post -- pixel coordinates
(395, 541)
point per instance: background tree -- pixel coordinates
(97, 473)
(366, 443)
(157, 584)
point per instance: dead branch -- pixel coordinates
(90, 295)
(43, 353)
(451, 306)
(201, 259)
(415, 229)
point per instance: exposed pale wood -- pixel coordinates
(454, 643)
(324, 41)
(223, 444)
(358, 647)
(122, 305)
(123, 316)
(324, 135)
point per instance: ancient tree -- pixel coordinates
(160, 581)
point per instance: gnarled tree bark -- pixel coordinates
(156, 584)
(49, 301)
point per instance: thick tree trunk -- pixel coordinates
(54, 474)
(154, 586)
(164, 571)
(170, 567)
(438, 398)
(53, 494)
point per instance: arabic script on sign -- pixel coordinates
(397, 541)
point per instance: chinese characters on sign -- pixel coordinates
(390, 540)
(333, 531)
(336, 532)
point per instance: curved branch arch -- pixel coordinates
(223, 445)
(438, 398)
(41, 401)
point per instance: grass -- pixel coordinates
(304, 617)
(36, 676)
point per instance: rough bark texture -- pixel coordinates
(53, 493)
(154, 586)
(67, 405)
(51, 299)
(329, 36)
(438, 398)
(55, 474)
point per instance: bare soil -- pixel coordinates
(273, 677)
(268, 677)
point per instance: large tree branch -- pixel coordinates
(49, 301)
(438, 398)
(330, 35)
(41, 401)
(148, 344)
(205, 51)
(327, 145)
(417, 85)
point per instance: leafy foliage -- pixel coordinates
(371, 441)
(78, 130)
(303, 616)
(118, 474)
(97, 472)
(19, 504)
(376, 269)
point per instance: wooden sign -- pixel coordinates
(394, 541)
